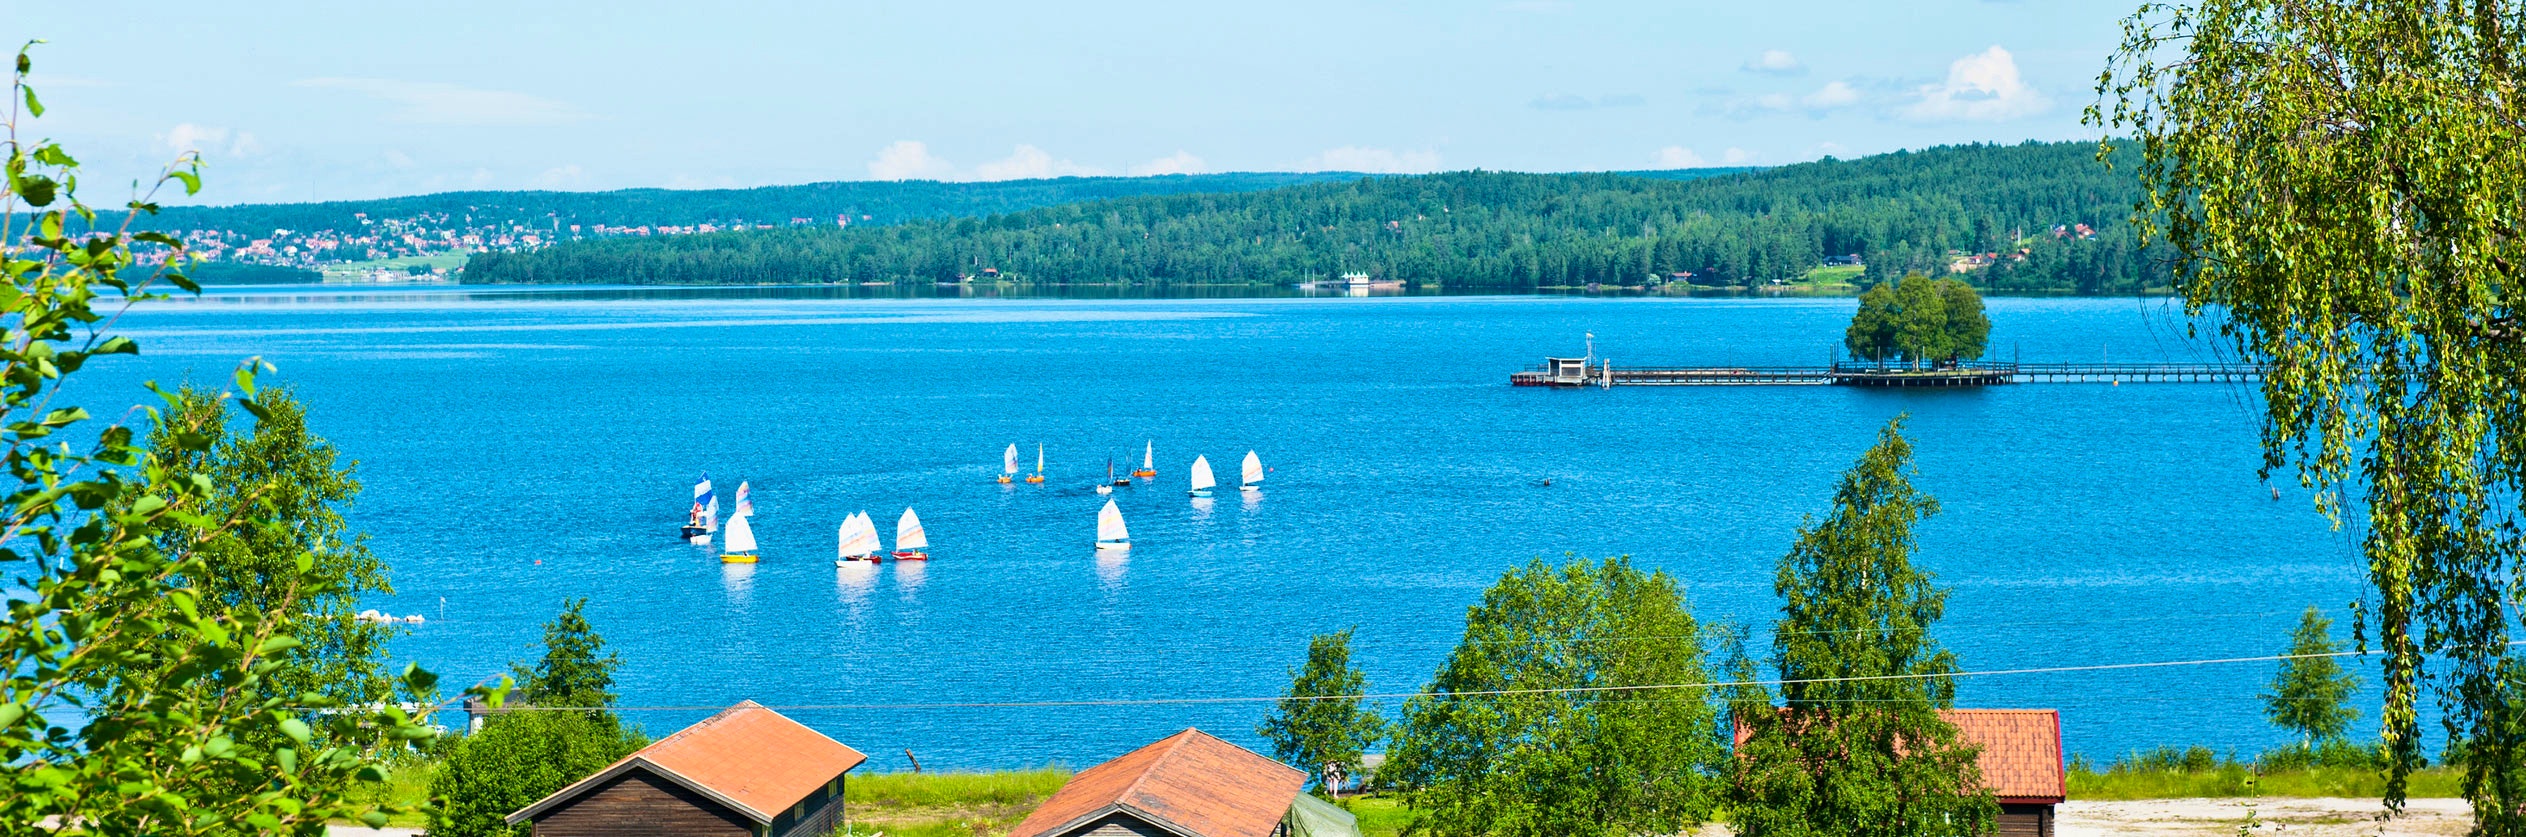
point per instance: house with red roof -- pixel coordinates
(1190, 784)
(745, 772)
(2020, 761)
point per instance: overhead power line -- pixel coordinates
(1385, 696)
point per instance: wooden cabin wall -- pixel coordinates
(824, 814)
(637, 803)
(2024, 820)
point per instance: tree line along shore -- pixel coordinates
(2037, 217)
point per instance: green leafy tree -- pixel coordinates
(1857, 747)
(2311, 694)
(135, 696)
(1534, 727)
(2338, 185)
(281, 473)
(575, 670)
(1323, 724)
(516, 759)
(1917, 318)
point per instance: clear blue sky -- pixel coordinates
(293, 102)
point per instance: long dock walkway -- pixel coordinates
(1589, 372)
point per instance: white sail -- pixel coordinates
(908, 533)
(1149, 456)
(1253, 471)
(1039, 459)
(1109, 525)
(1202, 478)
(745, 499)
(709, 501)
(740, 536)
(859, 536)
(1008, 461)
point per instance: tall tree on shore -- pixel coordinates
(1530, 728)
(2311, 694)
(2338, 182)
(1857, 747)
(575, 670)
(1323, 725)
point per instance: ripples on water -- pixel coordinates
(498, 428)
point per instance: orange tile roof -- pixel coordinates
(748, 757)
(1189, 782)
(2021, 750)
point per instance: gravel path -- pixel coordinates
(2310, 817)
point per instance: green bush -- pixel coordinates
(516, 759)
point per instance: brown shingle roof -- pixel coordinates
(750, 758)
(1189, 782)
(2021, 750)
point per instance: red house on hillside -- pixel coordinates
(1189, 784)
(745, 772)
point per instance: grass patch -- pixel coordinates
(407, 783)
(443, 261)
(2228, 781)
(953, 804)
(1379, 816)
(1837, 275)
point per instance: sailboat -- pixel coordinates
(910, 540)
(1148, 462)
(704, 519)
(1253, 472)
(1107, 487)
(740, 542)
(1038, 476)
(1008, 465)
(1202, 480)
(858, 540)
(1110, 534)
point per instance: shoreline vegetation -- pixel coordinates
(2033, 216)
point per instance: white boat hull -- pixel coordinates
(1113, 546)
(1250, 488)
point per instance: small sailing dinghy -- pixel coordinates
(705, 516)
(1037, 478)
(740, 542)
(1148, 462)
(858, 540)
(1008, 465)
(1110, 534)
(910, 540)
(1107, 487)
(1202, 479)
(1253, 473)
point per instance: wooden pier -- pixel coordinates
(1588, 372)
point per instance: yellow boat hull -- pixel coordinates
(1034, 479)
(736, 559)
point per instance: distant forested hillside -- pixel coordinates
(1925, 210)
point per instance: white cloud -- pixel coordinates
(1736, 156)
(1027, 162)
(186, 136)
(1832, 149)
(1775, 101)
(1837, 94)
(1775, 62)
(1678, 157)
(437, 103)
(562, 177)
(909, 160)
(1372, 161)
(1181, 162)
(1982, 87)
(398, 159)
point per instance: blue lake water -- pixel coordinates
(520, 448)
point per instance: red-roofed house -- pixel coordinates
(745, 772)
(1189, 784)
(2020, 761)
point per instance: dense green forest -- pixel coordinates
(883, 201)
(1901, 212)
